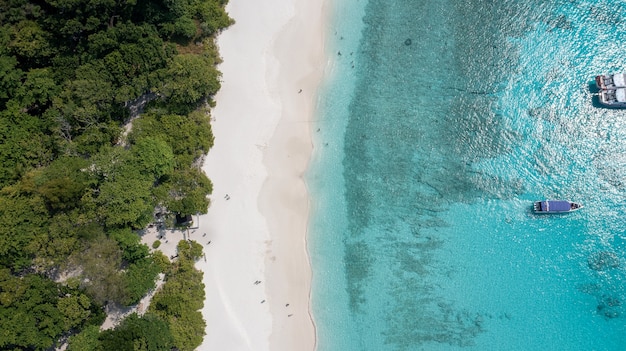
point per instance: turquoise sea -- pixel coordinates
(439, 123)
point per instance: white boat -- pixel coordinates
(613, 98)
(556, 206)
(611, 81)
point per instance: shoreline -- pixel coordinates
(284, 198)
(257, 272)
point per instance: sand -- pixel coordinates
(257, 271)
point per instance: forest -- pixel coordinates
(104, 122)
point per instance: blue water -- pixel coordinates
(438, 125)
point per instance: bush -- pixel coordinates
(139, 279)
(156, 244)
(181, 298)
(162, 261)
(190, 250)
(138, 333)
(87, 340)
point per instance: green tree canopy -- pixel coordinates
(23, 219)
(184, 290)
(73, 74)
(122, 196)
(62, 184)
(18, 152)
(187, 192)
(181, 298)
(35, 311)
(125, 201)
(139, 279)
(100, 261)
(10, 78)
(189, 79)
(147, 333)
(153, 157)
(86, 340)
(190, 137)
(37, 89)
(132, 249)
(31, 43)
(188, 330)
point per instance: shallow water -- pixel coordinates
(439, 124)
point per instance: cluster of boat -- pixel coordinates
(612, 90)
(612, 93)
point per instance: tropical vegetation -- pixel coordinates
(104, 116)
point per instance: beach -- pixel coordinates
(256, 271)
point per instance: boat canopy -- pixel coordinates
(619, 80)
(555, 205)
(620, 95)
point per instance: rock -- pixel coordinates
(602, 260)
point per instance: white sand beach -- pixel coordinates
(257, 272)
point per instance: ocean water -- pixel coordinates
(439, 123)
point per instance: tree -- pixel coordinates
(188, 192)
(188, 330)
(213, 17)
(190, 78)
(190, 250)
(75, 310)
(130, 243)
(36, 311)
(125, 201)
(10, 78)
(70, 194)
(88, 99)
(162, 261)
(30, 43)
(23, 220)
(62, 184)
(100, 262)
(183, 291)
(139, 278)
(38, 88)
(18, 152)
(123, 195)
(147, 333)
(60, 239)
(153, 157)
(190, 137)
(86, 340)
(184, 27)
(181, 298)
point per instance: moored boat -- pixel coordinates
(556, 206)
(613, 98)
(611, 81)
